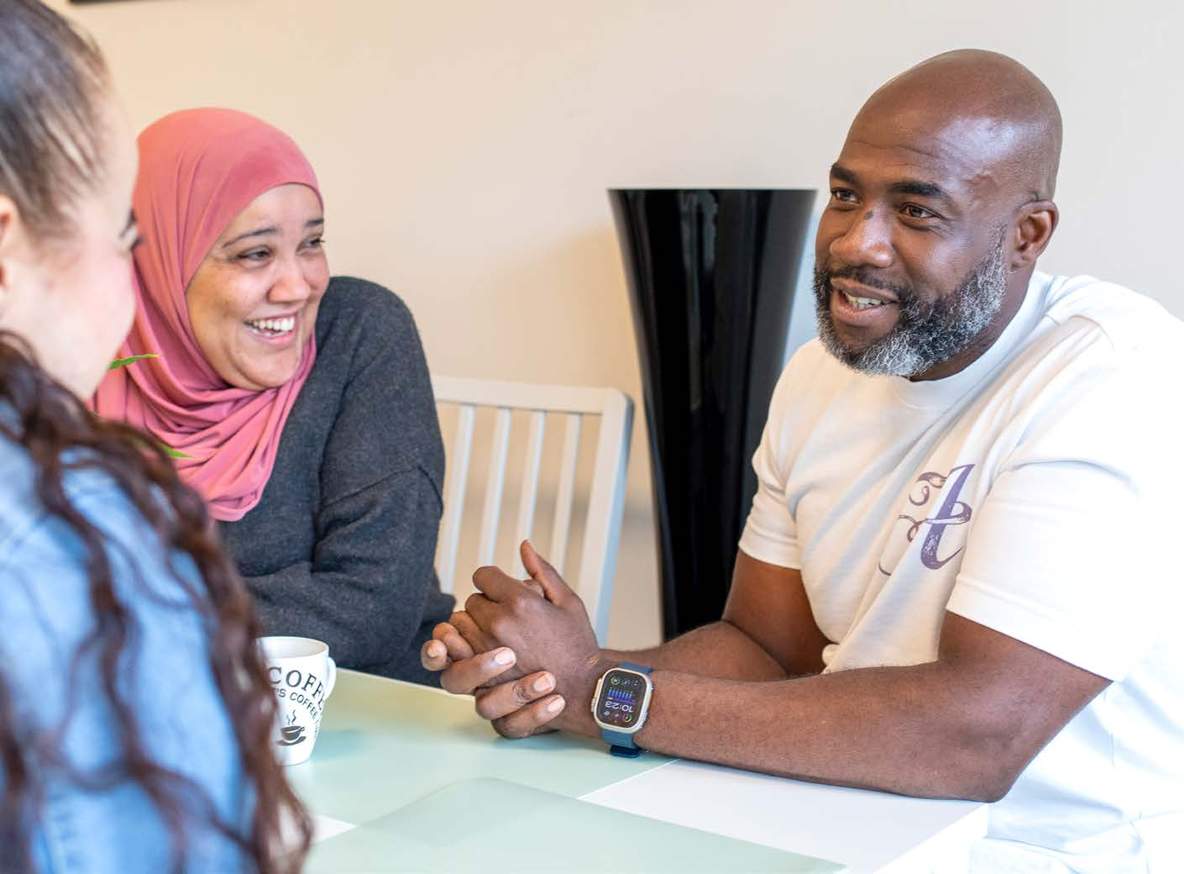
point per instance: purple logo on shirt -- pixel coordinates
(950, 512)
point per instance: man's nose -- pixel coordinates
(867, 242)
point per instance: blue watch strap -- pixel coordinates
(641, 669)
(621, 743)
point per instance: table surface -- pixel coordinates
(409, 778)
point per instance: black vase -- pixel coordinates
(711, 274)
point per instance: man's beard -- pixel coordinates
(926, 333)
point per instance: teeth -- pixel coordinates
(862, 303)
(274, 326)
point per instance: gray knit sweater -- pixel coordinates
(341, 546)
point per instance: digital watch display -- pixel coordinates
(620, 705)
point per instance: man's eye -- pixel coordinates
(917, 212)
(843, 195)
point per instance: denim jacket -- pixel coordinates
(164, 673)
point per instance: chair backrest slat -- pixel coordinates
(494, 485)
(454, 501)
(601, 528)
(608, 492)
(528, 495)
(567, 490)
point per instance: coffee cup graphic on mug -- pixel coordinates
(302, 675)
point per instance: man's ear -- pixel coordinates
(1032, 232)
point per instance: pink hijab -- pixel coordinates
(200, 168)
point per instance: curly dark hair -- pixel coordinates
(53, 82)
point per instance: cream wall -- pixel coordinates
(464, 147)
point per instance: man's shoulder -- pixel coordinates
(1095, 373)
(1133, 325)
(1096, 344)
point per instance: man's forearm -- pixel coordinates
(718, 650)
(895, 729)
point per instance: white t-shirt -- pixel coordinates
(1034, 493)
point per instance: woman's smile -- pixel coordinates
(275, 331)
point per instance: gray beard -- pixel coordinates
(926, 334)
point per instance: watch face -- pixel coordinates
(622, 694)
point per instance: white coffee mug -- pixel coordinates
(302, 675)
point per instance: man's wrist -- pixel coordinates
(577, 715)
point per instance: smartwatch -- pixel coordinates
(620, 705)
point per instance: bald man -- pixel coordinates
(956, 579)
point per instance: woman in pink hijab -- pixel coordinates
(301, 404)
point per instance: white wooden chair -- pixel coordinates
(605, 488)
